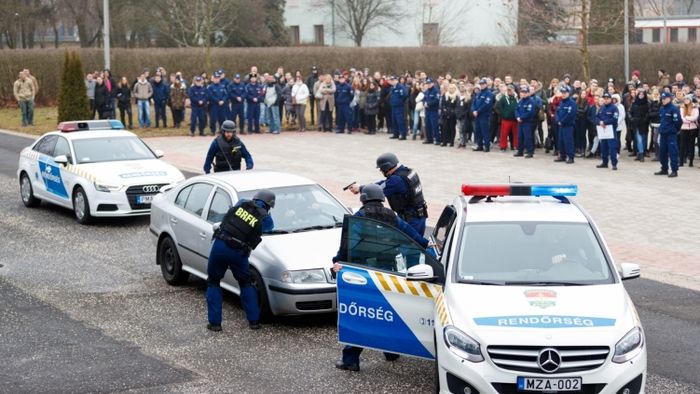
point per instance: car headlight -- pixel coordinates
(304, 276)
(106, 187)
(629, 346)
(462, 344)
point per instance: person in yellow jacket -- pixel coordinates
(25, 91)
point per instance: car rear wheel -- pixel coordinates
(263, 302)
(81, 206)
(27, 192)
(170, 263)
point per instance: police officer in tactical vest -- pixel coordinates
(372, 198)
(227, 151)
(403, 190)
(239, 233)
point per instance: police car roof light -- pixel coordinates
(519, 190)
(109, 124)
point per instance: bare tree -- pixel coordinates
(356, 18)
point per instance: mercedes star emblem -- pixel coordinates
(549, 360)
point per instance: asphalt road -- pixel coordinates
(84, 309)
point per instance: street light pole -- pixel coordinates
(627, 41)
(105, 32)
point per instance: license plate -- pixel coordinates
(549, 385)
(144, 199)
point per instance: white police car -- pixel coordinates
(530, 300)
(95, 168)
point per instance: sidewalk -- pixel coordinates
(645, 219)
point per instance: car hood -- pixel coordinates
(133, 172)
(298, 251)
(557, 314)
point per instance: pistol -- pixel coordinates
(348, 186)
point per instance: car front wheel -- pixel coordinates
(170, 263)
(27, 192)
(81, 206)
(263, 302)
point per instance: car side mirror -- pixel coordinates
(159, 153)
(61, 159)
(629, 271)
(422, 272)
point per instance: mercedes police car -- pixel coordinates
(525, 296)
(94, 168)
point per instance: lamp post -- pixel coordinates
(627, 42)
(105, 32)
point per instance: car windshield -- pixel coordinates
(532, 253)
(303, 208)
(96, 150)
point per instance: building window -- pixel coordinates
(692, 34)
(656, 35)
(674, 34)
(318, 35)
(430, 34)
(294, 34)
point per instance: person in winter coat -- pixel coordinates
(448, 108)
(639, 121)
(462, 114)
(123, 95)
(326, 102)
(506, 105)
(581, 123)
(689, 131)
(654, 121)
(143, 91)
(176, 101)
(371, 108)
(161, 93)
(300, 96)
(103, 101)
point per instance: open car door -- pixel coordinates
(386, 289)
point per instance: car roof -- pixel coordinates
(86, 134)
(524, 209)
(256, 179)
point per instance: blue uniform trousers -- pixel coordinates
(253, 113)
(431, 126)
(198, 118)
(237, 115)
(343, 117)
(525, 142)
(483, 132)
(668, 148)
(608, 150)
(217, 116)
(398, 122)
(565, 142)
(221, 258)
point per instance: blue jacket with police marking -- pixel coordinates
(483, 104)
(214, 147)
(236, 91)
(254, 91)
(526, 110)
(198, 94)
(398, 97)
(217, 92)
(343, 94)
(671, 120)
(566, 113)
(432, 99)
(608, 115)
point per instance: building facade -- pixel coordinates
(660, 30)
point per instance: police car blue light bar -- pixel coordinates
(109, 124)
(519, 190)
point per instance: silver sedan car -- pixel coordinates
(291, 266)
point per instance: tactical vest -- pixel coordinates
(410, 204)
(230, 150)
(375, 210)
(244, 223)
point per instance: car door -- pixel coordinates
(378, 307)
(443, 233)
(219, 204)
(62, 148)
(47, 177)
(188, 224)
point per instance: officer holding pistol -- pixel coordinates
(240, 232)
(227, 150)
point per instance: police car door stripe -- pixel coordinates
(412, 288)
(385, 285)
(396, 282)
(426, 289)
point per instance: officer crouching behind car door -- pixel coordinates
(403, 190)
(227, 151)
(239, 233)
(372, 199)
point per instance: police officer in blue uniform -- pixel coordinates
(403, 190)
(198, 96)
(671, 121)
(343, 97)
(227, 151)
(240, 233)
(372, 198)
(524, 114)
(218, 99)
(482, 107)
(607, 116)
(236, 96)
(253, 97)
(566, 119)
(432, 105)
(397, 101)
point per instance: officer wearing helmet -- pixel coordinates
(227, 151)
(372, 198)
(403, 190)
(238, 234)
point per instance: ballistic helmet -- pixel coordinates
(228, 125)
(387, 161)
(265, 196)
(371, 192)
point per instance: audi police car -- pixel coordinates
(525, 296)
(94, 168)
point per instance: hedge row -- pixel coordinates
(543, 62)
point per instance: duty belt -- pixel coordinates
(233, 242)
